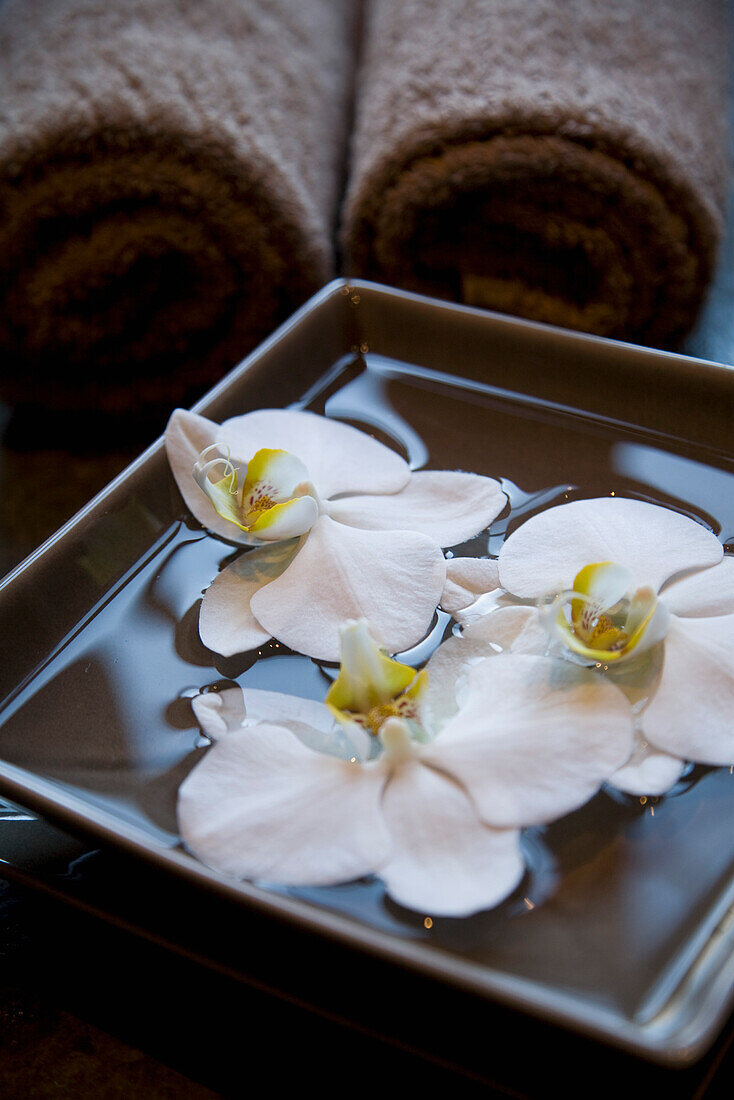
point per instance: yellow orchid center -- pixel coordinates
(277, 500)
(604, 619)
(259, 505)
(372, 688)
(405, 706)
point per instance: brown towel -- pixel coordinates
(559, 161)
(169, 178)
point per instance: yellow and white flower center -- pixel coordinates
(277, 500)
(604, 619)
(257, 504)
(371, 688)
(598, 630)
(405, 707)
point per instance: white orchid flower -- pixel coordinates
(339, 528)
(437, 819)
(628, 586)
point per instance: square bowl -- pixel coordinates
(622, 929)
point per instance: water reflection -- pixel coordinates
(704, 491)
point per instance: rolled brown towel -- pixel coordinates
(564, 162)
(169, 178)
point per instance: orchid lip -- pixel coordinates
(372, 689)
(602, 620)
(276, 501)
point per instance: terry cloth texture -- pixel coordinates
(564, 162)
(170, 172)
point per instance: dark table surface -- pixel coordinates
(94, 1008)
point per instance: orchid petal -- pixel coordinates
(280, 708)
(276, 498)
(690, 714)
(515, 629)
(544, 554)
(260, 805)
(535, 738)
(512, 629)
(220, 712)
(445, 862)
(280, 471)
(286, 520)
(466, 580)
(648, 622)
(649, 771)
(311, 721)
(393, 579)
(339, 458)
(705, 593)
(226, 622)
(446, 505)
(187, 435)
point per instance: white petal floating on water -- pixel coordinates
(466, 580)
(445, 862)
(546, 552)
(515, 629)
(704, 593)
(447, 505)
(649, 771)
(339, 458)
(280, 707)
(691, 714)
(220, 712)
(311, 721)
(535, 738)
(226, 622)
(392, 578)
(260, 805)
